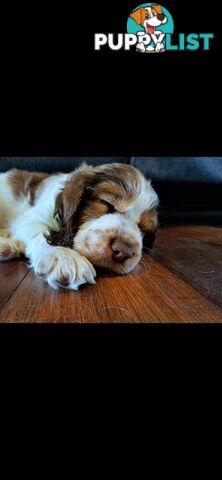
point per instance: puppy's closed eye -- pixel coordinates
(110, 207)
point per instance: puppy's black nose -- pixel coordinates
(161, 16)
(121, 251)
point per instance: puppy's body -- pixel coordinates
(66, 223)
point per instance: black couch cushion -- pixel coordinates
(170, 169)
(54, 164)
(181, 169)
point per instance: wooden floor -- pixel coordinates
(180, 281)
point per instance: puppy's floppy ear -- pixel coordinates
(157, 8)
(137, 15)
(148, 224)
(70, 198)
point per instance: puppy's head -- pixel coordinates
(105, 212)
(149, 16)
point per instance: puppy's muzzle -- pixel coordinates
(121, 251)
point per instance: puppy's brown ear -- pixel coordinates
(137, 15)
(148, 224)
(69, 199)
(157, 8)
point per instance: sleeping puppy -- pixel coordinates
(68, 223)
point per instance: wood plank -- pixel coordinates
(195, 255)
(11, 275)
(151, 294)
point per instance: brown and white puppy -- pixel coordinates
(149, 18)
(68, 223)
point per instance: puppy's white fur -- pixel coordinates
(27, 226)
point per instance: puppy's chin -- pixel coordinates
(153, 22)
(120, 268)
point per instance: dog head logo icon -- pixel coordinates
(150, 22)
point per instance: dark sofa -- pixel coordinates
(189, 187)
(177, 169)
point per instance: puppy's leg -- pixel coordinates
(4, 233)
(63, 267)
(60, 266)
(10, 249)
(159, 46)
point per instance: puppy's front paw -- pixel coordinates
(140, 47)
(159, 47)
(63, 267)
